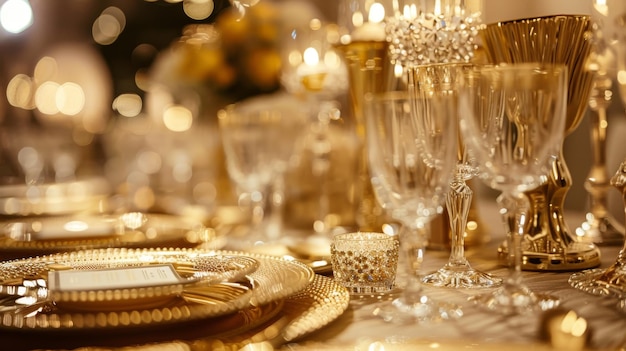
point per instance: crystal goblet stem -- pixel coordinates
(514, 297)
(457, 272)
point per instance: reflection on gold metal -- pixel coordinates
(549, 245)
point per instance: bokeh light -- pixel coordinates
(108, 26)
(198, 9)
(177, 118)
(16, 16)
(128, 105)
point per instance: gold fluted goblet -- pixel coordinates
(549, 244)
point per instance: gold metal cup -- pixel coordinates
(369, 71)
(549, 244)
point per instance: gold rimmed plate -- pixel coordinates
(50, 199)
(25, 302)
(36, 236)
(278, 322)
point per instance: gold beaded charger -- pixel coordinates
(212, 283)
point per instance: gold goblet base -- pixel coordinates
(575, 257)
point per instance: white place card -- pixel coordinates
(113, 278)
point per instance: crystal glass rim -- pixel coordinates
(504, 67)
(363, 236)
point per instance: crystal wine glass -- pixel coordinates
(458, 272)
(513, 121)
(411, 143)
(260, 135)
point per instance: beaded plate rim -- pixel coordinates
(274, 279)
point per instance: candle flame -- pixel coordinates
(376, 13)
(311, 57)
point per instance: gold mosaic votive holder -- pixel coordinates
(365, 262)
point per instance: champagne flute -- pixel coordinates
(514, 122)
(411, 144)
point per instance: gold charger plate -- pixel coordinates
(276, 323)
(36, 236)
(274, 279)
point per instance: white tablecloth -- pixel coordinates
(358, 326)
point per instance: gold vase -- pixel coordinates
(369, 71)
(548, 244)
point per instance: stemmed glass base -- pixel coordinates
(458, 273)
(417, 309)
(461, 276)
(414, 305)
(515, 299)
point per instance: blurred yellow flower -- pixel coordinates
(238, 56)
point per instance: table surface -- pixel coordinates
(479, 327)
(358, 329)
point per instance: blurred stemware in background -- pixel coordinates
(165, 155)
(611, 281)
(260, 135)
(57, 110)
(600, 226)
(513, 122)
(412, 144)
(313, 69)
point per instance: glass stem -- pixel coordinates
(321, 165)
(413, 246)
(514, 210)
(458, 204)
(276, 207)
(257, 206)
